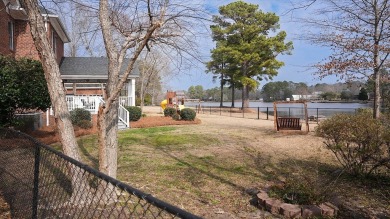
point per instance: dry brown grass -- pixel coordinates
(211, 168)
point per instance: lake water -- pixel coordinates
(294, 110)
(270, 104)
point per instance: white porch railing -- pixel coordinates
(90, 103)
(126, 101)
(124, 115)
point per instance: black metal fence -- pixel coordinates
(267, 113)
(40, 182)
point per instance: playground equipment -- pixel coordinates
(290, 123)
(173, 101)
(163, 104)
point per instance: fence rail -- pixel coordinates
(40, 182)
(267, 113)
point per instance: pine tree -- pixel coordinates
(242, 29)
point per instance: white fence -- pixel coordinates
(90, 103)
(126, 101)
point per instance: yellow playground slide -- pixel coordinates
(163, 104)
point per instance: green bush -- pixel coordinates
(175, 116)
(301, 189)
(135, 113)
(19, 80)
(79, 116)
(187, 114)
(169, 111)
(85, 124)
(360, 142)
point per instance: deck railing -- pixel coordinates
(88, 102)
(126, 101)
(91, 102)
(124, 115)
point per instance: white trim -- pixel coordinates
(70, 77)
(132, 91)
(58, 27)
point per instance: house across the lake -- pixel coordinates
(83, 77)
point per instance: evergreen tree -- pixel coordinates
(363, 94)
(241, 31)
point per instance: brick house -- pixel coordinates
(83, 77)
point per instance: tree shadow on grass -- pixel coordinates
(93, 161)
(209, 174)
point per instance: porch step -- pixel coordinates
(122, 125)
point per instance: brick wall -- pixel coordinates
(24, 44)
(90, 91)
(4, 41)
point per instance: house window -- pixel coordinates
(11, 35)
(54, 42)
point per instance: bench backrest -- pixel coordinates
(289, 123)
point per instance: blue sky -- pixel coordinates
(296, 65)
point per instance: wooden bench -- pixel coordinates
(288, 124)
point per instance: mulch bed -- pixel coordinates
(153, 121)
(48, 135)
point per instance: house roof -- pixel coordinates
(90, 69)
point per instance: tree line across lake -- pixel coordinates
(281, 90)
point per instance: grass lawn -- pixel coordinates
(177, 168)
(210, 173)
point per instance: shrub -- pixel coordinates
(169, 111)
(19, 80)
(79, 116)
(135, 113)
(360, 142)
(187, 114)
(301, 190)
(85, 124)
(175, 116)
(365, 110)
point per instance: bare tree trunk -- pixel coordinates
(53, 79)
(80, 186)
(142, 84)
(108, 144)
(245, 97)
(377, 64)
(377, 93)
(233, 96)
(221, 102)
(108, 112)
(245, 88)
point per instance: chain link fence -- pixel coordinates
(40, 182)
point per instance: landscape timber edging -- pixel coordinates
(276, 206)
